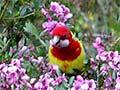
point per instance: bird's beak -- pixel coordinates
(55, 40)
(59, 43)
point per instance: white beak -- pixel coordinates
(55, 40)
(59, 43)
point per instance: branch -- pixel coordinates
(5, 7)
(19, 17)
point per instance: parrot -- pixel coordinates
(65, 50)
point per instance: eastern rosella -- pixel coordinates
(65, 50)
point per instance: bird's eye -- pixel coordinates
(64, 36)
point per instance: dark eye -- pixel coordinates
(65, 36)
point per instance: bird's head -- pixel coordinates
(61, 37)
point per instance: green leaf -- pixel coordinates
(65, 84)
(1, 43)
(58, 72)
(29, 27)
(1, 58)
(41, 51)
(24, 10)
(37, 3)
(71, 80)
(61, 87)
(32, 70)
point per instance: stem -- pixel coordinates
(42, 33)
(114, 75)
(5, 7)
(43, 43)
(97, 78)
(98, 75)
(19, 17)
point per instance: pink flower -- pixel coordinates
(46, 14)
(67, 13)
(2, 66)
(60, 12)
(81, 84)
(118, 80)
(112, 54)
(67, 16)
(60, 24)
(4, 69)
(59, 80)
(43, 83)
(16, 62)
(53, 69)
(117, 86)
(88, 85)
(66, 10)
(91, 84)
(98, 45)
(38, 85)
(108, 82)
(55, 7)
(110, 58)
(79, 78)
(93, 64)
(104, 69)
(84, 86)
(12, 78)
(111, 64)
(78, 82)
(44, 11)
(13, 75)
(50, 25)
(103, 56)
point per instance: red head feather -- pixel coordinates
(62, 31)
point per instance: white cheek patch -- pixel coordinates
(64, 43)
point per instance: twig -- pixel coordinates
(5, 7)
(19, 17)
(43, 43)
